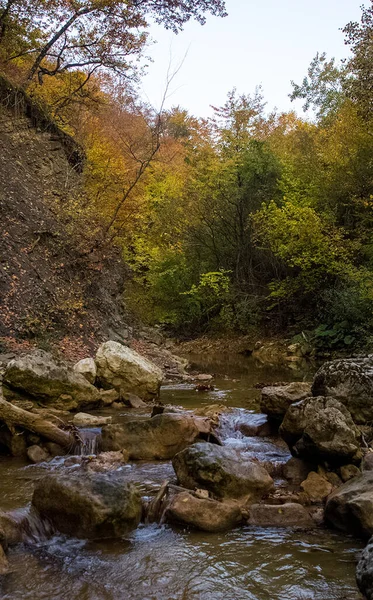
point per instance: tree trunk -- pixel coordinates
(14, 416)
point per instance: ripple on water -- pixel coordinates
(158, 563)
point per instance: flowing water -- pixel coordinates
(163, 563)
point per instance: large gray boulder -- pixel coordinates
(350, 507)
(351, 382)
(124, 369)
(158, 438)
(88, 505)
(49, 381)
(321, 428)
(222, 472)
(364, 571)
(202, 513)
(275, 400)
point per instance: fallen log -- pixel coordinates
(13, 416)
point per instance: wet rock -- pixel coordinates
(86, 420)
(105, 461)
(87, 368)
(351, 382)
(88, 505)
(202, 513)
(221, 471)
(40, 376)
(348, 472)
(4, 564)
(157, 438)
(316, 487)
(10, 528)
(364, 571)
(124, 369)
(257, 426)
(109, 396)
(321, 428)
(36, 454)
(290, 514)
(275, 400)
(350, 507)
(296, 470)
(132, 400)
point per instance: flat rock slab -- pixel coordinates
(290, 514)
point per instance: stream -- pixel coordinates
(166, 563)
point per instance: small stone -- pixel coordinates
(109, 396)
(86, 420)
(203, 377)
(117, 406)
(348, 472)
(36, 454)
(316, 487)
(201, 494)
(132, 400)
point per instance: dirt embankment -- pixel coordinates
(50, 289)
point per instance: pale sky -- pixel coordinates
(267, 42)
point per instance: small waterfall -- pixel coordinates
(89, 443)
(30, 527)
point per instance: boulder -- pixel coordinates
(290, 514)
(202, 513)
(157, 438)
(88, 505)
(321, 429)
(86, 420)
(40, 376)
(255, 425)
(364, 571)
(36, 454)
(87, 368)
(350, 507)
(124, 369)
(316, 487)
(351, 382)
(54, 449)
(275, 400)
(222, 472)
(11, 528)
(367, 462)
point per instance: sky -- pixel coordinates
(261, 42)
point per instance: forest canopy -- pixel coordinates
(246, 221)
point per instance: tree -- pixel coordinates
(95, 34)
(359, 37)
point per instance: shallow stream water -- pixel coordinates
(163, 563)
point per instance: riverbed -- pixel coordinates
(159, 562)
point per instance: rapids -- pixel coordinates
(163, 563)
